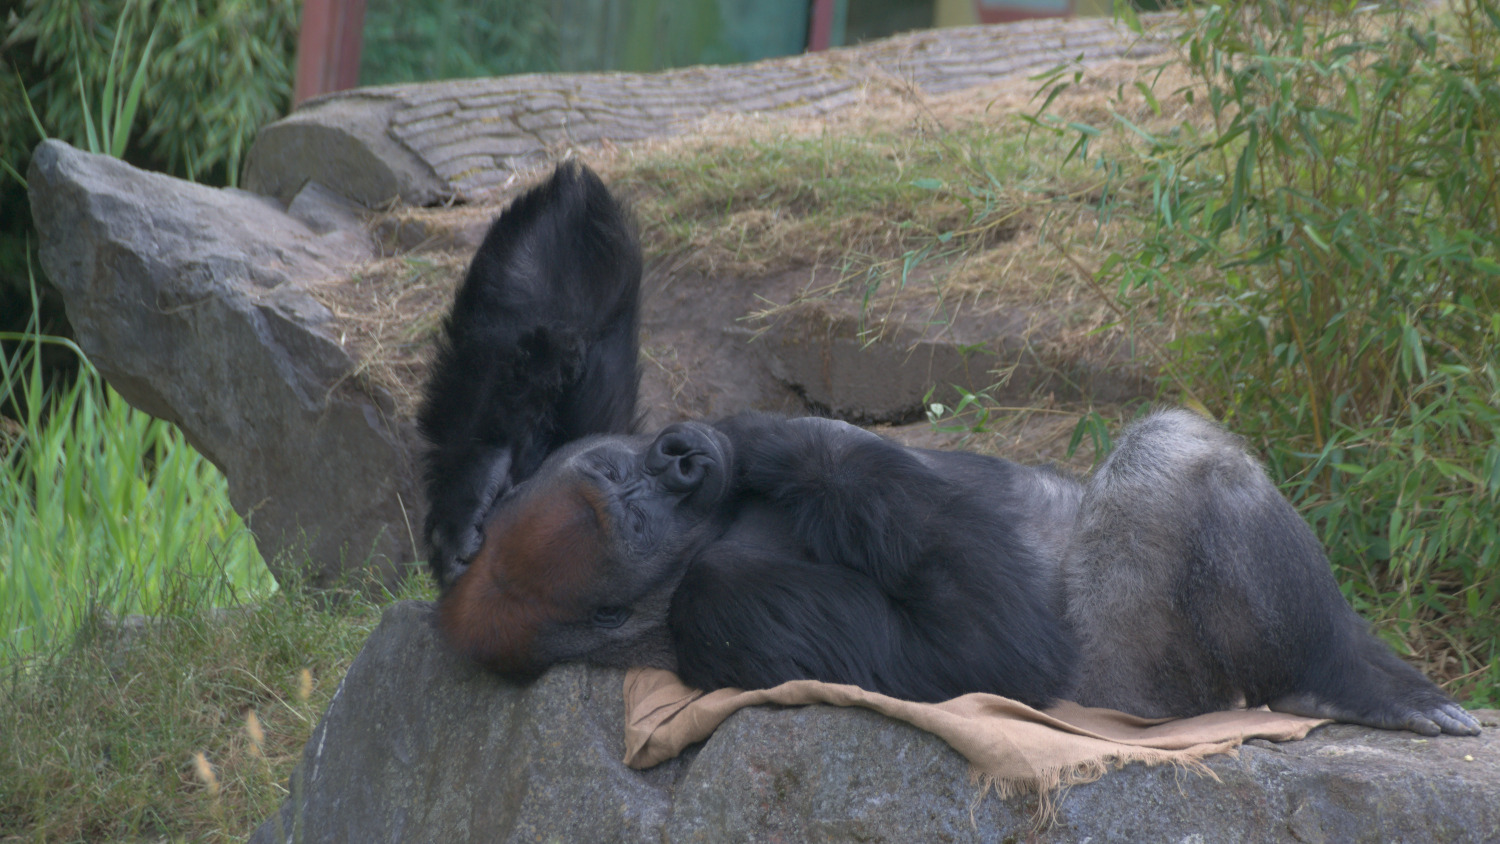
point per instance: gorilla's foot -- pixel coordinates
(1427, 712)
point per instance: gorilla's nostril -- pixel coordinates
(684, 476)
(660, 457)
(678, 459)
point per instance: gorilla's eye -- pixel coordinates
(611, 616)
(636, 520)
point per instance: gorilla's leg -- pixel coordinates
(1193, 586)
(1125, 568)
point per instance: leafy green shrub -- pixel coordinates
(218, 71)
(1335, 235)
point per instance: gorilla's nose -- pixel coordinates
(680, 458)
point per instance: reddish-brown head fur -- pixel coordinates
(539, 558)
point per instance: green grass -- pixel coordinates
(105, 511)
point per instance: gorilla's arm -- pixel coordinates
(752, 613)
(918, 579)
(539, 349)
(855, 498)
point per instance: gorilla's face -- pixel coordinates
(582, 558)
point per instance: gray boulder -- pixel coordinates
(419, 746)
(194, 304)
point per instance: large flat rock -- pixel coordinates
(418, 745)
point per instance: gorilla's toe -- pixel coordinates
(1420, 724)
(1447, 718)
(1454, 720)
(1433, 714)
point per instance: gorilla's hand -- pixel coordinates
(461, 506)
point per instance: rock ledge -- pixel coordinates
(420, 746)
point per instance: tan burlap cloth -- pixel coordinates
(1014, 748)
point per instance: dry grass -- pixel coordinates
(1037, 433)
(904, 210)
(388, 313)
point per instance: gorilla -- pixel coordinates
(1174, 580)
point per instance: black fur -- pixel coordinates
(539, 350)
(1175, 580)
(854, 560)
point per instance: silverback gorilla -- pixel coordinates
(1175, 580)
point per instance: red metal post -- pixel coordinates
(1007, 11)
(820, 30)
(328, 47)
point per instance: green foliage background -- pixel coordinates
(452, 39)
(220, 70)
